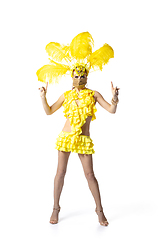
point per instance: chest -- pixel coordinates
(75, 100)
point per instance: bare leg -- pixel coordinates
(87, 164)
(58, 183)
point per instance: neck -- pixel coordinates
(79, 89)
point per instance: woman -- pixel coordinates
(79, 108)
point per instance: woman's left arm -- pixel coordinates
(107, 106)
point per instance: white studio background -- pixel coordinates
(126, 161)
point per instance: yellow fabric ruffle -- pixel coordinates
(74, 141)
(79, 144)
(78, 114)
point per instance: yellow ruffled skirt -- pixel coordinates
(68, 142)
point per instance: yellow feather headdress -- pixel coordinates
(77, 55)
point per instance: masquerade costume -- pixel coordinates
(77, 56)
(74, 141)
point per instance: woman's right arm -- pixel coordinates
(50, 109)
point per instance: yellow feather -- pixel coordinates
(58, 52)
(81, 46)
(78, 52)
(101, 57)
(52, 72)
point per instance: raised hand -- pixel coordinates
(43, 90)
(115, 91)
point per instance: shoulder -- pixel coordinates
(90, 91)
(97, 94)
(67, 93)
(94, 94)
(98, 97)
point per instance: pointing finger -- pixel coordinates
(46, 86)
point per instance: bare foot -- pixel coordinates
(54, 216)
(102, 219)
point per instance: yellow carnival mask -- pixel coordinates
(77, 56)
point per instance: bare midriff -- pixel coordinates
(85, 128)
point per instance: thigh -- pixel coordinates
(62, 161)
(87, 163)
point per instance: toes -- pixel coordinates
(105, 223)
(53, 222)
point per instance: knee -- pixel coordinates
(90, 176)
(61, 173)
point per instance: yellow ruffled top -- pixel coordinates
(73, 141)
(78, 114)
